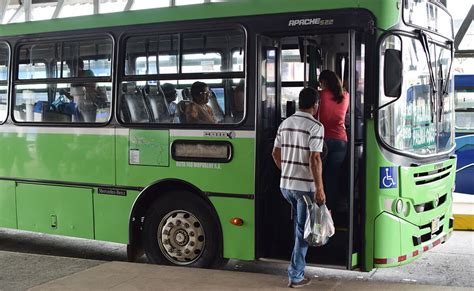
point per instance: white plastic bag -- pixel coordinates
(319, 226)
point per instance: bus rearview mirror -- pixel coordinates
(393, 70)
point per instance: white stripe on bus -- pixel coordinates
(118, 131)
(215, 133)
(57, 130)
(122, 131)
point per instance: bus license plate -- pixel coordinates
(435, 225)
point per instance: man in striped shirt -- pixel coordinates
(296, 152)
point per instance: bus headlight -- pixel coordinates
(399, 206)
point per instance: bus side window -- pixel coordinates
(151, 60)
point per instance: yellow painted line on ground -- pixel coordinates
(463, 222)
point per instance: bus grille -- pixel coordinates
(417, 240)
(432, 176)
(431, 204)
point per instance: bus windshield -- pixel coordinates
(420, 122)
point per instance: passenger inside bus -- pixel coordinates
(86, 96)
(170, 96)
(332, 113)
(197, 111)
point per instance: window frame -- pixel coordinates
(470, 110)
(15, 80)
(379, 106)
(7, 81)
(203, 76)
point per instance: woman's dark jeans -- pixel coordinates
(332, 172)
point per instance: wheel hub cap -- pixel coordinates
(181, 237)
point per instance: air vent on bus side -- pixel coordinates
(432, 176)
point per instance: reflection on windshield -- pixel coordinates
(412, 124)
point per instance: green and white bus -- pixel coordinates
(93, 147)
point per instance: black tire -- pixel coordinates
(179, 229)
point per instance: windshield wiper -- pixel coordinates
(448, 73)
(444, 83)
(426, 49)
(441, 99)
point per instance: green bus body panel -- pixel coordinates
(112, 216)
(239, 241)
(355, 260)
(389, 234)
(387, 226)
(64, 157)
(55, 210)
(7, 204)
(235, 177)
(385, 10)
(151, 146)
(374, 201)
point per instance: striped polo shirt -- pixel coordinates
(297, 136)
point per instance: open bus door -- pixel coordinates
(275, 233)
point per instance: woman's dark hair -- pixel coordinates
(333, 83)
(308, 97)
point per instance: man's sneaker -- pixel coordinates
(304, 282)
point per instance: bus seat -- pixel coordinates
(133, 107)
(181, 110)
(186, 94)
(155, 100)
(216, 108)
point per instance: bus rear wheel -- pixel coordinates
(179, 229)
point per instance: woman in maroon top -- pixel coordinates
(332, 111)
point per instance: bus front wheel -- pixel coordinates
(179, 229)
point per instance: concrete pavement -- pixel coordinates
(127, 276)
(44, 262)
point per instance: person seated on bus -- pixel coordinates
(332, 111)
(238, 102)
(197, 111)
(170, 96)
(86, 96)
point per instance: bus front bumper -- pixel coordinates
(403, 243)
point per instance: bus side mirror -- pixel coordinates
(392, 73)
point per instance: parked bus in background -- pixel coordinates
(464, 104)
(463, 198)
(93, 146)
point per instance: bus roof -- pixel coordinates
(227, 8)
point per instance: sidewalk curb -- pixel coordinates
(463, 222)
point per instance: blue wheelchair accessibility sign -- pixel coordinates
(388, 177)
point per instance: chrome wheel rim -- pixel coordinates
(181, 237)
